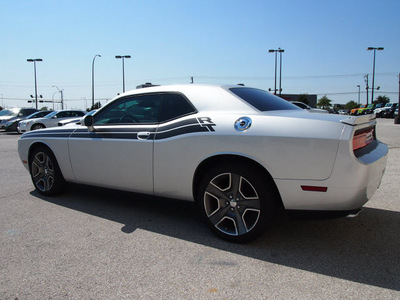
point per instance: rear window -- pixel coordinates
(263, 100)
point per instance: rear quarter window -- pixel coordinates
(262, 100)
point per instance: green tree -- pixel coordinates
(303, 98)
(324, 103)
(382, 99)
(351, 105)
(44, 108)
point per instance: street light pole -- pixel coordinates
(280, 65)
(52, 98)
(397, 119)
(123, 69)
(280, 70)
(366, 85)
(93, 78)
(274, 51)
(358, 93)
(62, 96)
(34, 60)
(373, 70)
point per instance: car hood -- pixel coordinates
(16, 119)
(2, 118)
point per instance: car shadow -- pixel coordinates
(364, 249)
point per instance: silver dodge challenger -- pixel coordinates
(242, 154)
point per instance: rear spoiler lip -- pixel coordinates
(353, 120)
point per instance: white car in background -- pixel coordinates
(51, 120)
(242, 154)
(75, 120)
(308, 107)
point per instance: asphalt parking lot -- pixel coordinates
(92, 243)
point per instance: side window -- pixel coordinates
(63, 114)
(174, 106)
(76, 114)
(302, 105)
(130, 110)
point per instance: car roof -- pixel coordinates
(203, 96)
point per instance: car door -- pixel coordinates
(118, 151)
(173, 146)
(53, 121)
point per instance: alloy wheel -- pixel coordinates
(232, 204)
(43, 172)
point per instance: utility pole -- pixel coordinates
(34, 60)
(366, 84)
(62, 99)
(397, 119)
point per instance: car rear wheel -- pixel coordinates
(45, 172)
(37, 126)
(237, 202)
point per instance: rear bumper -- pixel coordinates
(352, 183)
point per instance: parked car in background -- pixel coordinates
(366, 110)
(51, 120)
(396, 112)
(308, 108)
(389, 113)
(75, 120)
(354, 111)
(14, 113)
(12, 124)
(242, 154)
(379, 110)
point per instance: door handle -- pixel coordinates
(144, 135)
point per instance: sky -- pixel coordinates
(213, 41)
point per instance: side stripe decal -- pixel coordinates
(192, 125)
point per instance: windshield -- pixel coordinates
(38, 114)
(50, 115)
(263, 100)
(7, 112)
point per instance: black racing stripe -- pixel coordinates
(117, 129)
(47, 133)
(180, 131)
(97, 135)
(110, 135)
(163, 132)
(113, 133)
(191, 121)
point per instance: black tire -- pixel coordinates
(37, 126)
(237, 202)
(45, 172)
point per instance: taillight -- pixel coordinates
(363, 137)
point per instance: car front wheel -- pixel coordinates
(237, 202)
(45, 172)
(37, 126)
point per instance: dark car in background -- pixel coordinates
(14, 113)
(389, 113)
(12, 124)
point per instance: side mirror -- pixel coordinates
(88, 121)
